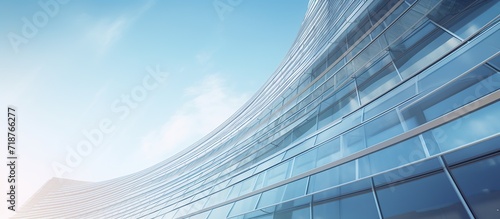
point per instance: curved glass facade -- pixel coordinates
(381, 109)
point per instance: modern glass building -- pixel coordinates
(381, 109)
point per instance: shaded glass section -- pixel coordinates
(431, 196)
(353, 206)
(479, 183)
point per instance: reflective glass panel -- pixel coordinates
(332, 177)
(347, 207)
(474, 126)
(431, 196)
(479, 182)
(396, 155)
(304, 162)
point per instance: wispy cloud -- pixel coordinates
(107, 31)
(211, 103)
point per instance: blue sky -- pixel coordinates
(70, 66)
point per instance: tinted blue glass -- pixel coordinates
(260, 181)
(300, 213)
(247, 185)
(371, 86)
(220, 212)
(244, 205)
(481, 148)
(326, 210)
(304, 162)
(476, 125)
(353, 141)
(465, 17)
(296, 203)
(393, 98)
(271, 197)
(465, 89)
(495, 62)
(267, 216)
(479, 183)
(328, 152)
(346, 123)
(400, 154)
(336, 192)
(347, 207)
(338, 105)
(406, 172)
(235, 191)
(304, 129)
(269, 163)
(359, 185)
(324, 180)
(383, 128)
(332, 177)
(368, 54)
(277, 173)
(299, 148)
(472, 86)
(421, 49)
(429, 197)
(459, 62)
(262, 213)
(295, 189)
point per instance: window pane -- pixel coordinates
(347, 207)
(479, 149)
(495, 62)
(479, 124)
(375, 82)
(332, 177)
(295, 189)
(428, 197)
(301, 213)
(269, 163)
(328, 152)
(247, 185)
(326, 210)
(393, 98)
(201, 216)
(407, 172)
(458, 63)
(304, 162)
(383, 128)
(305, 128)
(271, 197)
(235, 191)
(400, 154)
(346, 123)
(299, 148)
(353, 141)
(465, 89)
(244, 205)
(277, 174)
(426, 44)
(479, 182)
(465, 18)
(220, 212)
(338, 105)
